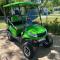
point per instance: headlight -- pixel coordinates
(33, 35)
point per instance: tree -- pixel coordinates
(45, 2)
(56, 2)
(2, 2)
(49, 4)
(16, 0)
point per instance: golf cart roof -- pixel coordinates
(21, 4)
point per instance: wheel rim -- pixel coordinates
(45, 43)
(26, 51)
(48, 42)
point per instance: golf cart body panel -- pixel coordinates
(16, 26)
(37, 30)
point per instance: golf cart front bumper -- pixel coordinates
(37, 43)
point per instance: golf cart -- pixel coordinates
(29, 33)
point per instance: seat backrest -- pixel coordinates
(15, 18)
(17, 23)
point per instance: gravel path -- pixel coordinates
(11, 51)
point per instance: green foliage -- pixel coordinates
(53, 27)
(44, 3)
(56, 2)
(2, 2)
(49, 4)
(16, 0)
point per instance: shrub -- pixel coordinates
(53, 27)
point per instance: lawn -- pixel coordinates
(49, 19)
(2, 25)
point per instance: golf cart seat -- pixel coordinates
(17, 22)
(16, 25)
(15, 18)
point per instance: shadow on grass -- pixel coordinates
(51, 53)
(39, 53)
(3, 31)
(55, 53)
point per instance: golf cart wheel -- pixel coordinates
(49, 41)
(9, 36)
(28, 51)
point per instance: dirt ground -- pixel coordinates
(12, 50)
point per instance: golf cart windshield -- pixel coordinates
(32, 14)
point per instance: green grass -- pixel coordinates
(3, 25)
(49, 19)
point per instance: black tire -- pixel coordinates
(9, 36)
(28, 51)
(49, 41)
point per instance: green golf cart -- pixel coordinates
(20, 27)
